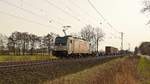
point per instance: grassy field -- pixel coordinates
(144, 70)
(11, 58)
(118, 71)
(87, 76)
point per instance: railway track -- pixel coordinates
(13, 65)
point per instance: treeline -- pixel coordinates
(23, 43)
(144, 48)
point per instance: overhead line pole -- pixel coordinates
(122, 40)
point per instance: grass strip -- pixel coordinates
(144, 70)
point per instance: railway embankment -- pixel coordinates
(39, 73)
(124, 70)
(118, 71)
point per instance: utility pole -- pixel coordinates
(122, 40)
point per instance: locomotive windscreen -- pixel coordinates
(61, 41)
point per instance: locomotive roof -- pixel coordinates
(73, 37)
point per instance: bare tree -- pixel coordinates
(146, 8)
(41, 45)
(14, 42)
(24, 41)
(11, 45)
(48, 41)
(33, 40)
(1, 46)
(87, 33)
(92, 35)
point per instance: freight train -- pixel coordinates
(69, 46)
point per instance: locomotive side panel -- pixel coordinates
(70, 45)
(76, 46)
(84, 47)
(81, 46)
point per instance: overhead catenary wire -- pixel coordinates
(101, 15)
(26, 10)
(103, 18)
(111, 33)
(29, 11)
(40, 9)
(64, 11)
(114, 35)
(51, 17)
(74, 13)
(83, 11)
(112, 27)
(18, 7)
(96, 10)
(24, 19)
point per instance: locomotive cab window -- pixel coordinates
(61, 41)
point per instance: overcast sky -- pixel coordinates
(43, 16)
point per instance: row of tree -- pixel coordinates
(23, 43)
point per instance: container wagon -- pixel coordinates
(109, 50)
